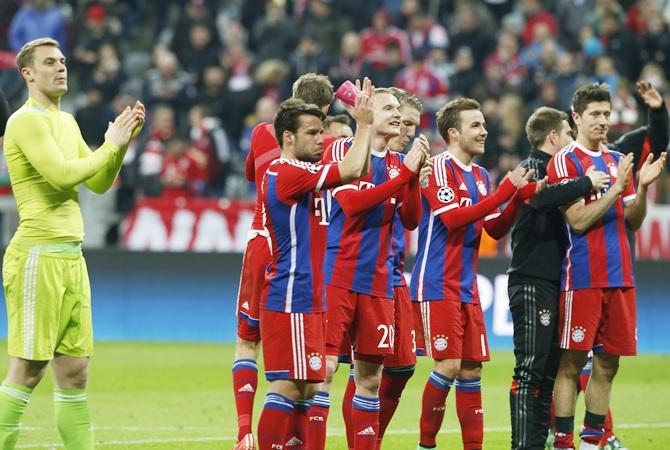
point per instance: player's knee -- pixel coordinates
(467, 371)
(448, 367)
(606, 367)
(369, 384)
(26, 373)
(245, 349)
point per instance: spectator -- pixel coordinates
(466, 76)
(348, 65)
(94, 117)
(152, 153)
(536, 16)
(166, 83)
(620, 46)
(195, 12)
(201, 51)
(506, 61)
(322, 21)
(571, 15)
(91, 37)
(625, 112)
(271, 38)
(425, 34)
(468, 33)
(107, 75)
(386, 73)
(308, 57)
(36, 19)
(376, 40)
(214, 95)
(183, 170)
(655, 43)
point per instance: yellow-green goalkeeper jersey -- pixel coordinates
(47, 159)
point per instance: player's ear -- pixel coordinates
(287, 137)
(27, 74)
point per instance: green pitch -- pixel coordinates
(178, 396)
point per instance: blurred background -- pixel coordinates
(209, 70)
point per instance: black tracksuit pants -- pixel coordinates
(535, 315)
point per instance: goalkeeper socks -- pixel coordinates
(470, 412)
(365, 422)
(609, 428)
(346, 408)
(13, 401)
(564, 432)
(274, 421)
(432, 407)
(245, 381)
(73, 419)
(318, 416)
(594, 428)
(390, 389)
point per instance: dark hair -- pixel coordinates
(313, 88)
(541, 122)
(590, 93)
(288, 116)
(340, 118)
(449, 116)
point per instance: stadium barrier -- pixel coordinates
(150, 296)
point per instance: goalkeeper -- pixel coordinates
(44, 274)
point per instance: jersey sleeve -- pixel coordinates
(561, 168)
(441, 193)
(33, 136)
(104, 178)
(297, 179)
(629, 193)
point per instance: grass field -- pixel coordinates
(178, 396)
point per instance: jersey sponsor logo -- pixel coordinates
(465, 201)
(315, 361)
(246, 388)
(440, 342)
(545, 317)
(393, 172)
(365, 185)
(320, 210)
(445, 194)
(369, 431)
(482, 187)
(578, 334)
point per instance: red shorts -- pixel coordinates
(294, 345)
(453, 330)
(256, 259)
(404, 353)
(367, 320)
(599, 317)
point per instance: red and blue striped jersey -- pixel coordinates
(600, 257)
(399, 246)
(445, 267)
(263, 149)
(295, 217)
(359, 251)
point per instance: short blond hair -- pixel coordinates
(25, 56)
(314, 88)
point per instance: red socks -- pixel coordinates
(274, 421)
(296, 438)
(470, 412)
(432, 407)
(318, 416)
(346, 408)
(245, 381)
(365, 422)
(393, 383)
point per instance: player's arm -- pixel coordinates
(249, 163)
(102, 180)
(499, 225)
(445, 203)
(4, 113)
(636, 210)
(357, 160)
(581, 216)
(355, 202)
(409, 208)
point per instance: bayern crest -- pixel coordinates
(440, 343)
(482, 187)
(578, 334)
(545, 317)
(315, 362)
(393, 172)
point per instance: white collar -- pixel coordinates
(466, 167)
(380, 154)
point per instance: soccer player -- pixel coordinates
(399, 366)
(597, 303)
(338, 126)
(457, 203)
(45, 279)
(538, 243)
(314, 89)
(359, 268)
(292, 303)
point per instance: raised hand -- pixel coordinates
(426, 172)
(120, 131)
(139, 109)
(517, 177)
(650, 171)
(540, 185)
(599, 180)
(362, 112)
(652, 98)
(417, 154)
(624, 171)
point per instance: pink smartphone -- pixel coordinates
(347, 93)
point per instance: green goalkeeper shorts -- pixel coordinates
(48, 299)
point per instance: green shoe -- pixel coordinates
(613, 443)
(549, 445)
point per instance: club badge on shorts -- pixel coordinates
(545, 317)
(578, 334)
(440, 342)
(315, 361)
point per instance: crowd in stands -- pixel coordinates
(209, 70)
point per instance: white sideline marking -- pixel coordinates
(335, 433)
